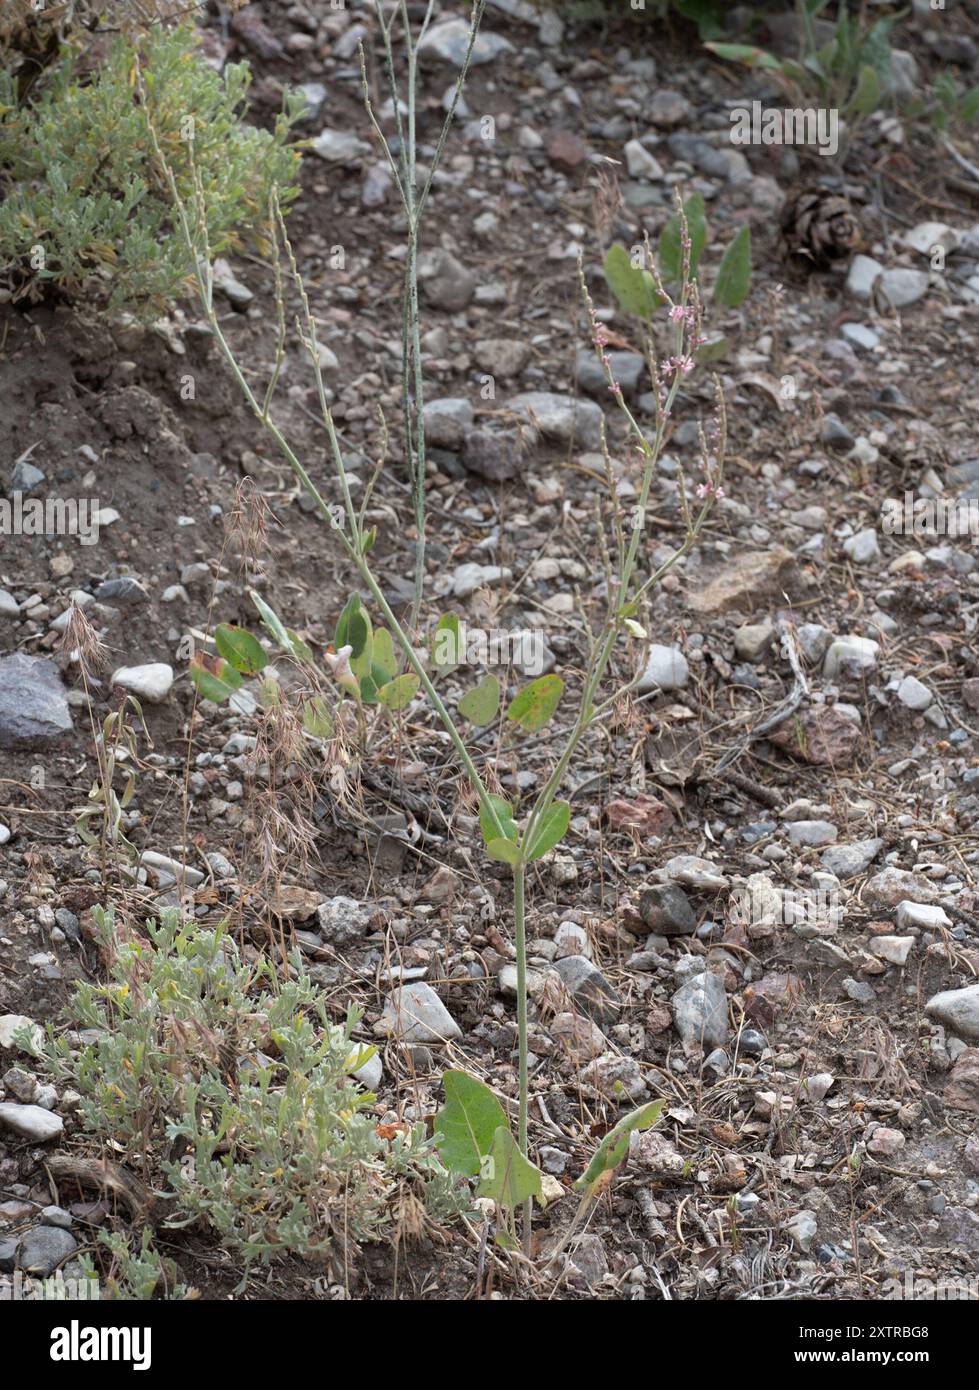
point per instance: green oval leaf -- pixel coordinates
(734, 277)
(633, 287)
(670, 247)
(238, 646)
(317, 719)
(551, 831)
(467, 1122)
(535, 704)
(504, 851)
(508, 1177)
(504, 814)
(447, 643)
(384, 656)
(480, 704)
(399, 692)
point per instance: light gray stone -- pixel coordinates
(560, 418)
(666, 669)
(33, 703)
(700, 1012)
(902, 287)
(150, 682)
(415, 1014)
(30, 1121)
(848, 654)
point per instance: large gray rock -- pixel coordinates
(628, 369)
(846, 860)
(415, 1014)
(447, 43)
(44, 1248)
(561, 417)
(700, 1012)
(589, 988)
(666, 669)
(957, 1010)
(444, 281)
(30, 1121)
(33, 706)
(446, 421)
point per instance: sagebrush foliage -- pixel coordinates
(85, 207)
(234, 1094)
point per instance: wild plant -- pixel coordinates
(387, 666)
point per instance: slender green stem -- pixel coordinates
(520, 941)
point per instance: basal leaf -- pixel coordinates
(551, 831)
(480, 704)
(447, 643)
(504, 851)
(671, 247)
(535, 704)
(214, 677)
(633, 286)
(272, 621)
(317, 719)
(734, 276)
(467, 1122)
(384, 652)
(399, 692)
(241, 648)
(508, 1177)
(504, 814)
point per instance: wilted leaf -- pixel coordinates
(615, 1145)
(214, 677)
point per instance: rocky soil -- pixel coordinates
(777, 932)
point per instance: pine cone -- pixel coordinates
(820, 227)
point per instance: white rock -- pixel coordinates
(666, 669)
(957, 1010)
(641, 164)
(861, 651)
(30, 1121)
(902, 287)
(340, 147)
(928, 235)
(150, 682)
(914, 694)
(415, 1014)
(9, 607)
(447, 42)
(470, 577)
(694, 872)
(862, 276)
(911, 914)
(862, 548)
(892, 948)
(11, 1024)
(226, 281)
